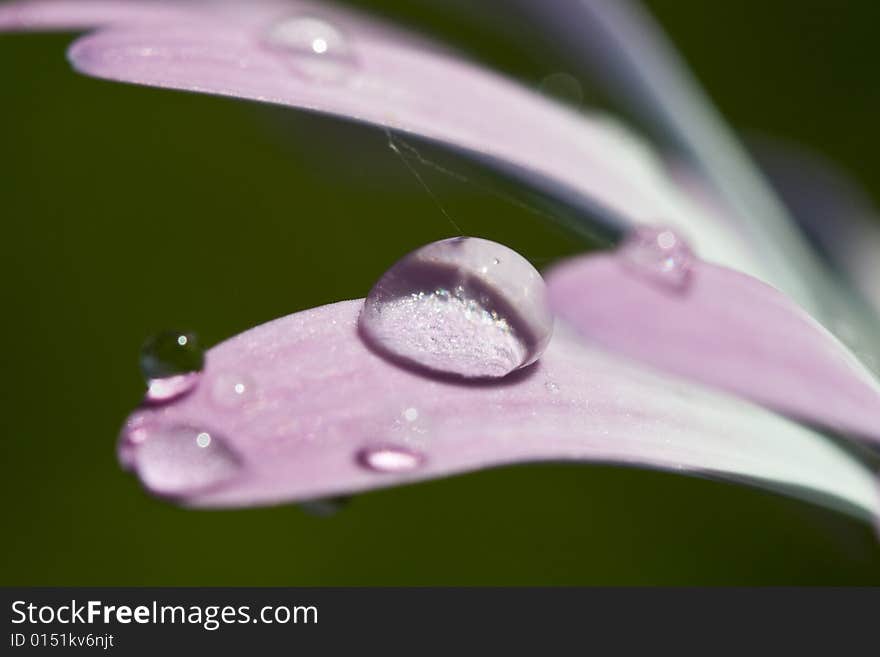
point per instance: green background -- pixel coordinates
(127, 210)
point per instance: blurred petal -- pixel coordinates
(394, 82)
(727, 330)
(85, 14)
(317, 398)
(627, 50)
(834, 210)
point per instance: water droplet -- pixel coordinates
(320, 50)
(411, 414)
(171, 362)
(390, 458)
(178, 459)
(552, 386)
(133, 434)
(230, 390)
(463, 306)
(659, 254)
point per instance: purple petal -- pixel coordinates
(727, 330)
(320, 414)
(84, 14)
(629, 51)
(397, 82)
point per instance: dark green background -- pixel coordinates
(127, 210)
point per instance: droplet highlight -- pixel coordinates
(171, 362)
(464, 306)
(390, 459)
(318, 49)
(179, 459)
(658, 254)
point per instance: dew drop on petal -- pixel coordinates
(134, 433)
(178, 459)
(170, 363)
(658, 254)
(464, 306)
(390, 458)
(230, 390)
(318, 49)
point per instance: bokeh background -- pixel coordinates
(127, 210)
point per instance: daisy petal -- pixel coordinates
(627, 50)
(81, 15)
(726, 329)
(301, 408)
(396, 82)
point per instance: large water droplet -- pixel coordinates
(179, 459)
(320, 50)
(463, 306)
(171, 362)
(658, 254)
(390, 458)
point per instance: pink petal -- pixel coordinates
(727, 330)
(400, 83)
(83, 14)
(320, 414)
(629, 51)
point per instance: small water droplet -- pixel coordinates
(411, 414)
(552, 386)
(319, 49)
(134, 432)
(171, 362)
(230, 390)
(178, 459)
(443, 308)
(390, 458)
(659, 254)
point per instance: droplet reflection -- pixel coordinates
(170, 363)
